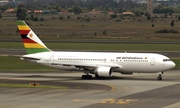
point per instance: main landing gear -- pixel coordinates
(160, 76)
(87, 76)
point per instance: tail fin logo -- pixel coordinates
(31, 35)
(31, 41)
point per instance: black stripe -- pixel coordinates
(24, 36)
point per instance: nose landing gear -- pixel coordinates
(160, 76)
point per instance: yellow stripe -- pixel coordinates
(33, 45)
(21, 27)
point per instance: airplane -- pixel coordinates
(101, 64)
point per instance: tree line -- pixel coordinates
(103, 5)
(86, 6)
(80, 6)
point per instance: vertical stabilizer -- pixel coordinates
(31, 41)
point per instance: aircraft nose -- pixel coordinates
(171, 65)
(174, 64)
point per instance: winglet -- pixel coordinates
(31, 41)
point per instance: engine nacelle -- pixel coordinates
(104, 71)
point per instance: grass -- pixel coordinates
(177, 62)
(15, 64)
(75, 29)
(13, 85)
(97, 46)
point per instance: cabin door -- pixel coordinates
(52, 58)
(104, 60)
(152, 62)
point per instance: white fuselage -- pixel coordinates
(120, 62)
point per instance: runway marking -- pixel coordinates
(109, 101)
(112, 87)
(118, 101)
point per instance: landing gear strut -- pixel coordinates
(160, 76)
(97, 76)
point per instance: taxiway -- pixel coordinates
(120, 91)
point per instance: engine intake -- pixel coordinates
(104, 71)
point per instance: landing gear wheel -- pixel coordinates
(159, 78)
(86, 76)
(83, 76)
(89, 76)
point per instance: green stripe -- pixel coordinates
(36, 50)
(20, 22)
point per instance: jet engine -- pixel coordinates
(104, 71)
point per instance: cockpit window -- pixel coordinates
(165, 60)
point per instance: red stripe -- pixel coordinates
(28, 41)
(24, 31)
